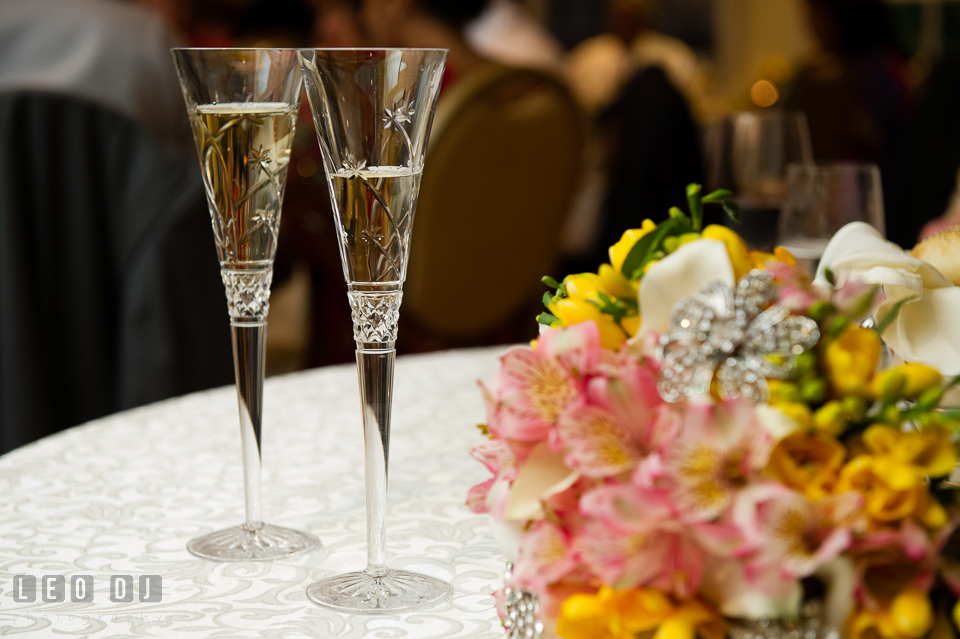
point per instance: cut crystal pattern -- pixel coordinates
(248, 293)
(230, 235)
(240, 543)
(375, 315)
(395, 591)
(402, 113)
(731, 335)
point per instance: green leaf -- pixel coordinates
(892, 315)
(547, 318)
(950, 413)
(606, 299)
(643, 250)
(547, 299)
(549, 281)
(953, 382)
(732, 209)
(696, 207)
(717, 196)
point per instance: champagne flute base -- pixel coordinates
(386, 592)
(243, 543)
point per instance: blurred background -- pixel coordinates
(561, 124)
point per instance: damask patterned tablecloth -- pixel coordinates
(124, 494)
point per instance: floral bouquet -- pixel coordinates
(703, 440)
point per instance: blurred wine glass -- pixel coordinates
(748, 153)
(822, 198)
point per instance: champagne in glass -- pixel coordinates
(373, 110)
(245, 152)
(375, 216)
(243, 105)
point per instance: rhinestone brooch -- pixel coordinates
(522, 611)
(741, 337)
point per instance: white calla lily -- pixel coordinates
(925, 329)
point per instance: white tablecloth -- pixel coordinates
(124, 494)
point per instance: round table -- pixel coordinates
(123, 495)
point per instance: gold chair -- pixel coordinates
(499, 176)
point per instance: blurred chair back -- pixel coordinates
(109, 284)
(499, 175)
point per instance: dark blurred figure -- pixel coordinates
(932, 159)
(425, 23)
(337, 24)
(110, 53)
(110, 295)
(652, 141)
(655, 153)
(856, 92)
(506, 33)
(276, 24)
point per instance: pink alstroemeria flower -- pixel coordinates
(721, 449)
(499, 459)
(796, 291)
(622, 421)
(637, 538)
(545, 558)
(855, 298)
(792, 535)
(534, 387)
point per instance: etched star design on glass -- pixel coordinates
(243, 106)
(373, 110)
(733, 335)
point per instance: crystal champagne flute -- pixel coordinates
(373, 110)
(243, 106)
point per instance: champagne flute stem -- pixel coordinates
(375, 370)
(249, 354)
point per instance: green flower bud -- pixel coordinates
(819, 311)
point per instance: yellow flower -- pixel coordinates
(929, 452)
(583, 285)
(585, 616)
(614, 283)
(783, 255)
(891, 491)
(759, 259)
(736, 248)
(912, 613)
(574, 310)
(620, 250)
(631, 324)
(613, 614)
(851, 359)
(808, 463)
(907, 381)
(909, 616)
